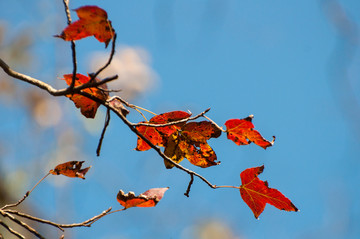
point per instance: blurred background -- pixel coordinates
(294, 65)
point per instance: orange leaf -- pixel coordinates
(202, 156)
(200, 131)
(256, 193)
(92, 22)
(158, 135)
(147, 199)
(242, 132)
(87, 106)
(191, 143)
(173, 151)
(151, 134)
(70, 169)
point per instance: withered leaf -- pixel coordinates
(147, 199)
(70, 169)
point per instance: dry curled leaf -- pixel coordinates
(147, 199)
(116, 103)
(93, 21)
(70, 169)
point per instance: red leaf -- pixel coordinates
(147, 199)
(256, 193)
(87, 106)
(200, 131)
(191, 143)
(70, 169)
(92, 22)
(167, 118)
(242, 132)
(151, 134)
(158, 135)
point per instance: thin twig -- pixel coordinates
(60, 226)
(25, 196)
(88, 222)
(138, 107)
(202, 114)
(30, 217)
(108, 91)
(135, 107)
(225, 186)
(107, 121)
(12, 231)
(73, 49)
(23, 224)
(52, 91)
(189, 186)
(93, 76)
(119, 210)
(141, 113)
(213, 122)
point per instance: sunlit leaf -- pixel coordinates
(87, 106)
(191, 143)
(93, 21)
(158, 135)
(242, 132)
(256, 193)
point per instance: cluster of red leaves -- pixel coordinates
(189, 140)
(93, 21)
(180, 138)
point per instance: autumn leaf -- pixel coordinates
(242, 132)
(158, 135)
(70, 169)
(200, 131)
(93, 21)
(256, 193)
(147, 199)
(87, 106)
(191, 143)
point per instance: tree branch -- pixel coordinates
(107, 121)
(12, 231)
(60, 226)
(73, 49)
(49, 88)
(23, 224)
(189, 186)
(93, 76)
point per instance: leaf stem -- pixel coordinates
(225, 186)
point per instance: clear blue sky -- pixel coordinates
(285, 62)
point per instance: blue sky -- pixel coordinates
(282, 61)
